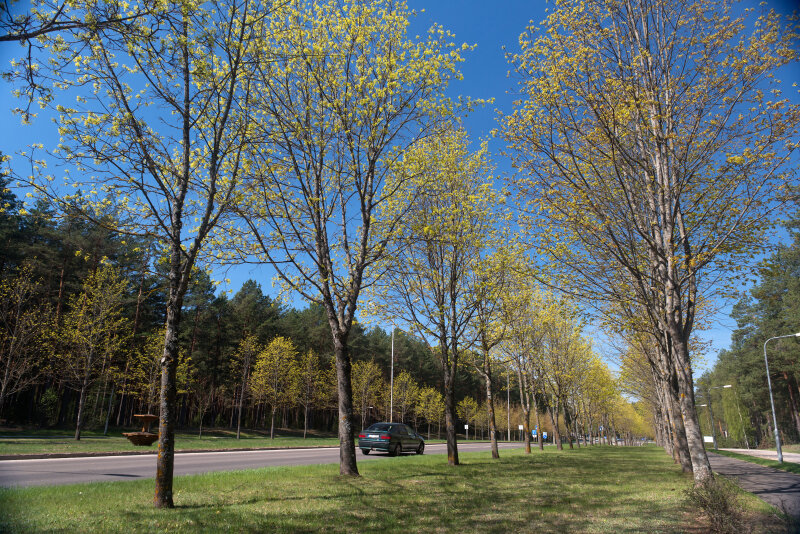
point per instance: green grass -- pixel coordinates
(62, 442)
(601, 489)
(785, 466)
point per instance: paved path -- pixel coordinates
(792, 457)
(54, 471)
(779, 488)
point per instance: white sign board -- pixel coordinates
(466, 427)
(708, 439)
(521, 427)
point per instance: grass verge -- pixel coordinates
(61, 442)
(785, 466)
(600, 489)
(49, 441)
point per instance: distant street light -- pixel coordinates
(771, 400)
(391, 383)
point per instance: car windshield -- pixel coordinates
(380, 427)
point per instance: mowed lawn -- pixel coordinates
(600, 489)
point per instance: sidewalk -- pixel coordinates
(792, 457)
(778, 488)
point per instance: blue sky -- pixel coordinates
(491, 26)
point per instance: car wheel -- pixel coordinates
(421, 448)
(364, 451)
(394, 451)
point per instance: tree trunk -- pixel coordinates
(450, 414)
(556, 434)
(169, 364)
(347, 446)
(272, 424)
(700, 466)
(110, 408)
(82, 404)
(792, 401)
(539, 439)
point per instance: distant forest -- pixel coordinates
(81, 336)
(736, 387)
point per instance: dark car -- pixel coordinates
(392, 438)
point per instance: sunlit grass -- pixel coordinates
(600, 489)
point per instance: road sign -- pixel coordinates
(544, 435)
(521, 427)
(533, 433)
(708, 439)
(466, 427)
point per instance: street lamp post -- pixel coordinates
(771, 400)
(391, 383)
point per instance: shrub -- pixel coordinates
(718, 499)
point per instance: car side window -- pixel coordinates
(410, 431)
(401, 429)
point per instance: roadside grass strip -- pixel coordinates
(94, 442)
(600, 489)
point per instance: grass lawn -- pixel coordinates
(62, 441)
(791, 447)
(601, 489)
(785, 466)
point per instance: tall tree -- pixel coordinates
(655, 138)
(367, 385)
(431, 278)
(344, 90)
(246, 355)
(93, 332)
(274, 377)
(160, 129)
(26, 332)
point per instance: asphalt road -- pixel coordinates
(56, 471)
(779, 488)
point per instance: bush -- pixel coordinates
(48, 408)
(718, 499)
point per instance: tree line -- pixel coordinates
(320, 138)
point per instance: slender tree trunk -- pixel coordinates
(61, 279)
(554, 421)
(792, 401)
(568, 423)
(347, 446)
(450, 414)
(538, 425)
(81, 407)
(110, 408)
(701, 468)
(169, 364)
(272, 424)
(82, 398)
(525, 404)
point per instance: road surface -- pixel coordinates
(779, 488)
(55, 471)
